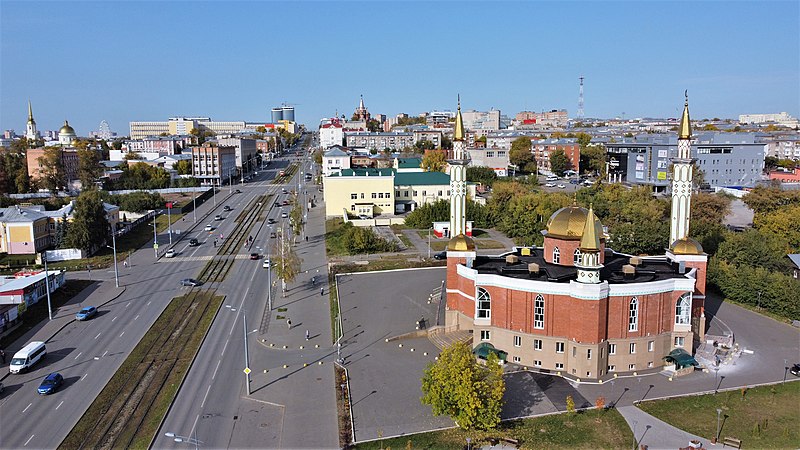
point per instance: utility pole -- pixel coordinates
(47, 285)
(246, 355)
(155, 236)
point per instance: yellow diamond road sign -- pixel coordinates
(247, 370)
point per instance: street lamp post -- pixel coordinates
(246, 355)
(635, 423)
(716, 436)
(155, 235)
(169, 222)
(194, 205)
(114, 243)
(47, 286)
(759, 300)
(716, 373)
(269, 272)
(429, 242)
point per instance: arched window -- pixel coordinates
(538, 312)
(484, 304)
(683, 309)
(556, 255)
(633, 315)
(576, 256)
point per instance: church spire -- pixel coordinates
(30, 113)
(31, 132)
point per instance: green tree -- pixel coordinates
(559, 162)
(183, 167)
(458, 386)
(373, 125)
(89, 227)
(89, 168)
(423, 216)
(52, 175)
(520, 154)
(296, 216)
(447, 144)
(481, 174)
(593, 159)
(782, 223)
(433, 161)
(424, 144)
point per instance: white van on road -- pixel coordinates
(27, 357)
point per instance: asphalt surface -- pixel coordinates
(288, 407)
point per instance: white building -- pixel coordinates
(334, 160)
(331, 134)
(781, 118)
(482, 120)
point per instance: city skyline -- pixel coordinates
(132, 61)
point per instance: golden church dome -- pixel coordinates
(66, 129)
(686, 246)
(568, 223)
(461, 243)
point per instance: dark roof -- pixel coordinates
(648, 270)
(795, 258)
(483, 349)
(681, 358)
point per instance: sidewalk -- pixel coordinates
(101, 291)
(654, 433)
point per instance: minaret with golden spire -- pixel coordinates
(458, 188)
(589, 267)
(30, 129)
(682, 179)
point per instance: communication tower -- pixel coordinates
(580, 100)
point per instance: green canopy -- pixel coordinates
(483, 349)
(681, 358)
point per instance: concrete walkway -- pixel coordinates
(654, 433)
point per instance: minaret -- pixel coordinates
(30, 128)
(589, 267)
(458, 178)
(682, 180)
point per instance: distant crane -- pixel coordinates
(580, 99)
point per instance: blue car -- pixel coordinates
(50, 383)
(86, 313)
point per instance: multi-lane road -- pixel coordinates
(88, 353)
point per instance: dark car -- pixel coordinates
(86, 313)
(254, 256)
(50, 383)
(193, 242)
(271, 220)
(272, 235)
(191, 282)
(795, 370)
(440, 255)
(237, 192)
(226, 208)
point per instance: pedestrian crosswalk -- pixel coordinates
(202, 258)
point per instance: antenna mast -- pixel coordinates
(580, 100)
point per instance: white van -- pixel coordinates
(552, 178)
(27, 357)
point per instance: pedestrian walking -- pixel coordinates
(306, 238)
(321, 291)
(125, 263)
(306, 339)
(289, 323)
(3, 354)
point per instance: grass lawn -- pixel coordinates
(761, 417)
(586, 430)
(334, 243)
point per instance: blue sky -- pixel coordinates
(123, 61)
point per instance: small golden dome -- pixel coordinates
(461, 243)
(686, 246)
(568, 223)
(66, 129)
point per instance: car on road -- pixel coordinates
(86, 313)
(286, 203)
(226, 208)
(561, 186)
(271, 221)
(170, 253)
(191, 282)
(795, 370)
(218, 217)
(574, 181)
(550, 185)
(267, 263)
(50, 383)
(284, 215)
(193, 242)
(209, 227)
(273, 235)
(440, 255)
(237, 192)
(254, 256)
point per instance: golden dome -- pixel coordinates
(461, 243)
(568, 223)
(66, 129)
(686, 246)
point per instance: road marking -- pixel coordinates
(223, 348)
(79, 355)
(215, 370)
(29, 439)
(129, 304)
(148, 303)
(121, 334)
(104, 353)
(115, 318)
(59, 405)
(191, 432)
(26, 408)
(204, 397)
(98, 335)
(137, 316)
(84, 376)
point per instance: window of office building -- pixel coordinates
(485, 335)
(682, 310)
(559, 347)
(633, 314)
(633, 347)
(560, 366)
(538, 312)
(556, 255)
(484, 304)
(679, 341)
(576, 256)
(650, 346)
(517, 341)
(537, 344)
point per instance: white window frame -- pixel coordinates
(560, 366)
(486, 335)
(560, 347)
(631, 366)
(588, 353)
(517, 341)
(683, 309)
(537, 344)
(632, 348)
(483, 304)
(556, 255)
(650, 346)
(516, 359)
(679, 341)
(633, 314)
(537, 363)
(576, 256)
(612, 368)
(538, 312)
